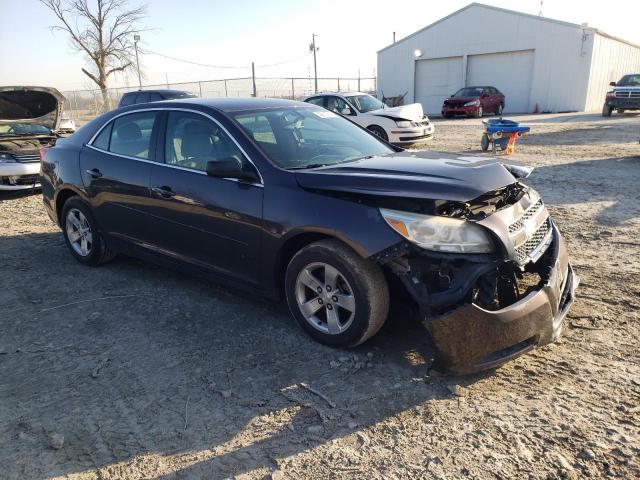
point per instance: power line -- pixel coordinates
(222, 66)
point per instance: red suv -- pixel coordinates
(474, 102)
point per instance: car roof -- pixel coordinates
(238, 104)
(157, 90)
(343, 94)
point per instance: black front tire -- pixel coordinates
(379, 132)
(99, 253)
(370, 291)
(606, 110)
(480, 112)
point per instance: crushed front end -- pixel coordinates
(483, 309)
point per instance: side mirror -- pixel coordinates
(230, 167)
(346, 111)
(613, 84)
(484, 95)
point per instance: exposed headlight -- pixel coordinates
(441, 234)
(7, 158)
(404, 123)
(473, 103)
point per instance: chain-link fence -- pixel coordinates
(85, 104)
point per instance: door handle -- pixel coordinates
(94, 173)
(164, 192)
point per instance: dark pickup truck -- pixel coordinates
(624, 96)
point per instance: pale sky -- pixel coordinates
(237, 32)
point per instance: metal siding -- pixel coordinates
(561, 63)
(509, 72)
(610, 60)
(435, 80)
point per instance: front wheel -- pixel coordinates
(480, 112)
(337, 297)
(82, 235)
(606, 110)
(499, 111)
(379, 132)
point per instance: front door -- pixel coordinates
(115, 169)
(211, 222)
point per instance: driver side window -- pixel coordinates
(193, 140)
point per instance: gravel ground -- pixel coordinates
(133, 371)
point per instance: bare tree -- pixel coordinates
(103, 31)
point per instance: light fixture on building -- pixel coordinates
(417, 53)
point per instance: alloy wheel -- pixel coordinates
(325, 298)
(79, 232)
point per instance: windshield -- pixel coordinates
(22, 129)
(297, 138)
(629, 81)
(469, 92)
(365, 103)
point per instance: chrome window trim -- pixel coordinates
(178, 109)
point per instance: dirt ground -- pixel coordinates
(132, 371)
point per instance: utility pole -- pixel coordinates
(253, 78)
(136, 39)
(394, 37)
(314, 49)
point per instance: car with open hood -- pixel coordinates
(401, 125)
(290, 200)
(29, 118)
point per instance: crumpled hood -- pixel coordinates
(424, 175)
(40, 105)
(412, 112)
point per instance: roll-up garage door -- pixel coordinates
(435, 80)
(509, 72)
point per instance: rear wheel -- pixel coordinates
(337, 297)
(82, 235)
(484, 143)
(606, 110)
(379, 132)
(620, 110)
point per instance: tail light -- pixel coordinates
(43, 153)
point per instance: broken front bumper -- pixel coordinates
(470, 338)
(19, 176)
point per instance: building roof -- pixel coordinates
(514, 12)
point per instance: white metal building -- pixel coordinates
(535, 61)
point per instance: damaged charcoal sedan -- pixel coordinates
(289, 200)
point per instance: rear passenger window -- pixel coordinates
(317, 101)
(142, 98)
(131, 135)
(102, 140)
(127, 99)
(155, 97)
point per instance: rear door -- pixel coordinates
(211, 222)
(115, 169)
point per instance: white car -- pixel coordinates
(401, 125)
(67, 125)
(29, 116)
